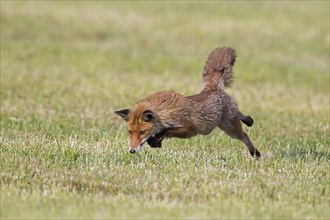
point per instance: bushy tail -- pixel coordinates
(217, 72)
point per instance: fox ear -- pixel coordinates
(148, 116)
(123, 113)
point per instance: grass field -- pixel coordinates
(66, 66)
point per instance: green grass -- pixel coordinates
(66, 66)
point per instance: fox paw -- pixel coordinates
(154, 143)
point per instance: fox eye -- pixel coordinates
(142, 132)
(129, 132)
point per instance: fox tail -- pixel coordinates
(217, 72)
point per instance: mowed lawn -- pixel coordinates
(66, 66)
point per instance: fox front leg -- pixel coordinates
(154, 142)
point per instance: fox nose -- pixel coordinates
(132, 151)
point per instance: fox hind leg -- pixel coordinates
(235, 131)
(253, 150)
(246, 119)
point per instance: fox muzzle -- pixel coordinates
(139, 148)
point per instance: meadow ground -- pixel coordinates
(66, 66)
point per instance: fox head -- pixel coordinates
(141, 124)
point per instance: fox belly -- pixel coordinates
(204, 125)
(183, 132)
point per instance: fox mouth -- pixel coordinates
(154, 139)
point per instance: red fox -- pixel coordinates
(170, 114)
